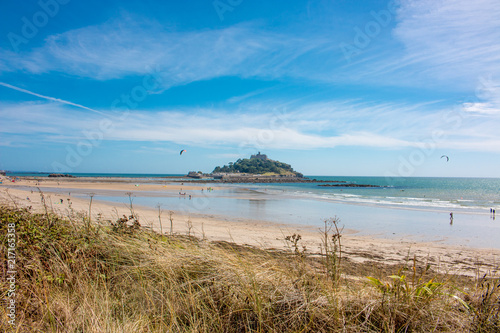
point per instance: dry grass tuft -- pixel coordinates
(73, 277)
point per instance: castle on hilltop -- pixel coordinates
(259, 156)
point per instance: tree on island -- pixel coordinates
(256, 165)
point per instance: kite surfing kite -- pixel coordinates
(182, 151)
(447, 158)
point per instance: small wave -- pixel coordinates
(406, 202)
(349, 195)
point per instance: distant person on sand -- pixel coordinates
(451, 218)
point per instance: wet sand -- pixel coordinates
(458, 259)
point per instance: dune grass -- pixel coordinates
(73, 276)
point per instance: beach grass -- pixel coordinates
(115, 276)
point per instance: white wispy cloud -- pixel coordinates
(482, 108)
(133, 46)
(450, 39)
(488, 98)
(309, 126)
(436, 44)
(450, 32)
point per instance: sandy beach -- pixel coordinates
(443, 258)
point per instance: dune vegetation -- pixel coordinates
(116, 276)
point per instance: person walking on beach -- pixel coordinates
(451, 218)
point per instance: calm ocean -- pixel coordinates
(402, 208)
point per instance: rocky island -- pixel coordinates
(258, 169)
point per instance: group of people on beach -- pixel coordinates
(209, 189)
(183, 194)
(492, 215)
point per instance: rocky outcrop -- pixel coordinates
(57, 175)
(349, 185)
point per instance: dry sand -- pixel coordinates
(443, 258)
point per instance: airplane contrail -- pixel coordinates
(50, 98)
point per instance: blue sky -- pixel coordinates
(376, 88)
